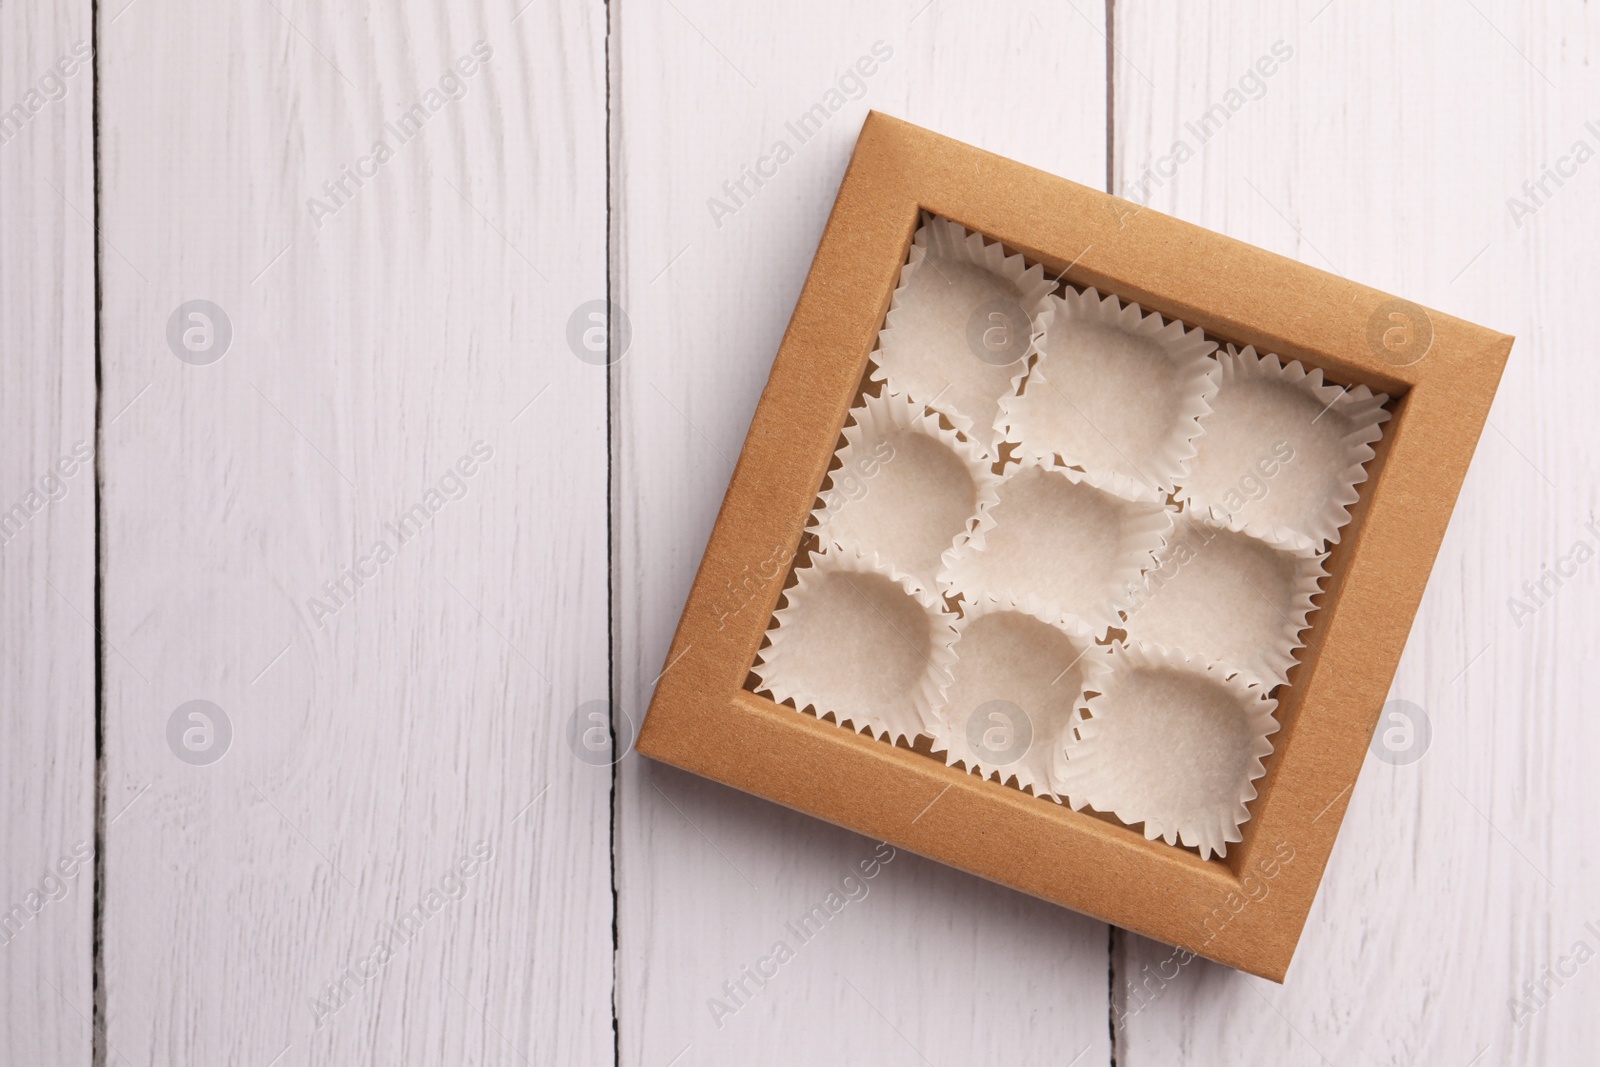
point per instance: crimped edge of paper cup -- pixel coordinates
(1143, 541)
(1187, 347)
(1217, 830)
(881, 417)
(1096, 668)
(1357, 405)
(927, 694)
(1294, 616)
(954, 240)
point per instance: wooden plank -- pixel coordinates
(397, 857)
(1386, 147)
(928, 964)
(47, 522)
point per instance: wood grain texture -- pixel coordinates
(1386, 149)
(931, 965)
(375, 747)
(378, 342)
(47, 493)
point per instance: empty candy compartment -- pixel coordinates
(904, 489)
(1228, 597)
(1015, 684)
(1171, 744)
(861, 641)
(1113, 390)
(1060, 543)
(1282, 451)
(961, 326)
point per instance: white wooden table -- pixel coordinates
(383, 840)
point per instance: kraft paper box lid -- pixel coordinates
(1246, 908)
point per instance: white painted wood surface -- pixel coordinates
(371, 753)
(374, 749)
(47, 516)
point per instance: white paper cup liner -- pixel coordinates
(1113, 389)
(1228, 597)
(905, 488)
(961, 326)
(1172, 744)
(1015, 686)
(1281, 450)
(1060, 543)
(862, 641)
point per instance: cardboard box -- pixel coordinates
(1248, 909)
